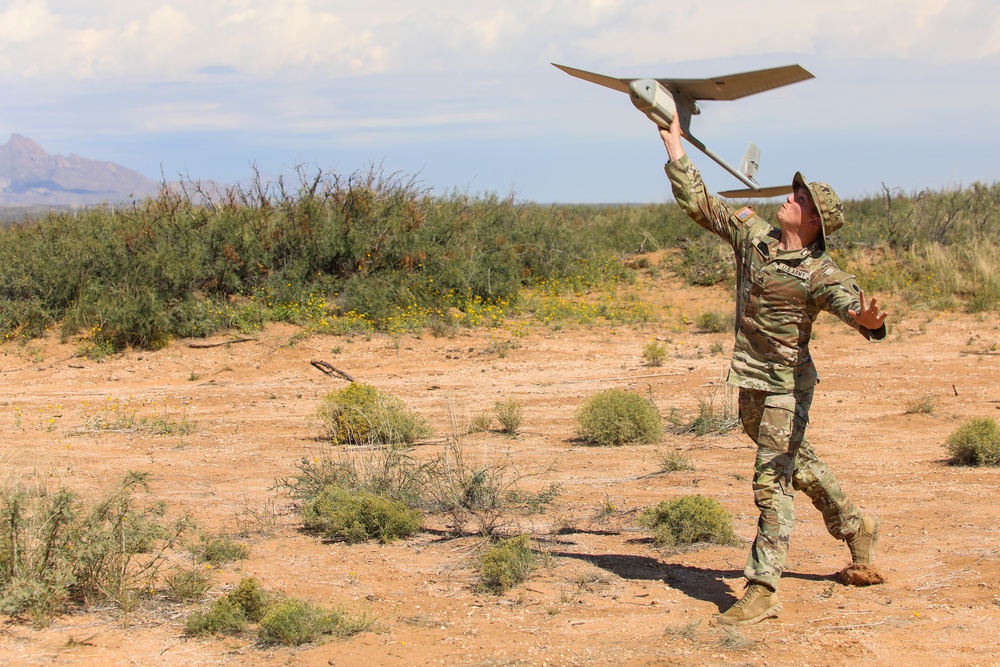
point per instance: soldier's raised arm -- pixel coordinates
(690, 192)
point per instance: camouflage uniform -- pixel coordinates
(779, 294)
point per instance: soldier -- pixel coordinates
(783, 279)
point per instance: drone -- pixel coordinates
(664, 100)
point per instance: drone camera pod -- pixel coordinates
(653, 99)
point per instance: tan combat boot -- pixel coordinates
(758, 602)
(862, 543)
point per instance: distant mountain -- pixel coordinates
(31, 177)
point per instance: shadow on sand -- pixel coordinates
(700, 583)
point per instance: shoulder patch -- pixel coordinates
(844, 279)
(744, 214)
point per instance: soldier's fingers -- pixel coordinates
(861, 296)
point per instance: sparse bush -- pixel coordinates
(714, 322)
(361, 414)
(356, 516)
(221, 549)
(975, 442)
(689, 520)
(705, 261)
(481, 422)
(224, 617)
(54, 550)
(617, 417)
(655, 353)
(506, 564)
(674, 462)
(292, 622)
(251, 599)
(187, 584)
(387, 470)
(508, 414)
(484, 492)
(922, 406)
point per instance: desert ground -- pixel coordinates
(605, 595)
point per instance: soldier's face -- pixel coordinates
(798, 212)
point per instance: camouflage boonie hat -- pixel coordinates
(826, 201)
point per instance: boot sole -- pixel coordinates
(770, 612)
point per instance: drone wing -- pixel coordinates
(621, 85)
(733, 86)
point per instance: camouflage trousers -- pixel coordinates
(786, 463)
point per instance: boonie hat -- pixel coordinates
(826, 201)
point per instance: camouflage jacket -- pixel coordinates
(779, 293)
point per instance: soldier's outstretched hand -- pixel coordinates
(868, 316)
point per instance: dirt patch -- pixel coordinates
(606, 596)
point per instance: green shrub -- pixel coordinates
(508, 414)
(689, 520)
(975, 442)
(224, 617)
(292, 622)
(187, 584)
(618, 417)
(251, 599)
(361, 414)
(705, 261)
(714, 322)
(506, 564)
(54, 550)
(221, 549)
(655, 353)
(355, 516)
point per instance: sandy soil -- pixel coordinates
(608, 597)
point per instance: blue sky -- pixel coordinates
(461, 94)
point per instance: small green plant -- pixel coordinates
(617, 417)
(221, 549)
(975, 442)
(674, 461)
(187, 584)
(655, 353)
(922, 406)
(356, 516)
(689, 520)
(508, 414)
(714, 322)
(223, 617)
(251, 599)
(506, 564)
(293, 622)
(361, 414)
(481, 422)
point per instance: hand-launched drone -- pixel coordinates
(663, 100)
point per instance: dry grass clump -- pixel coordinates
(689, 520)
(975, 442)
(922, 406)
(506, 564)
(617, 417)
(361, 414)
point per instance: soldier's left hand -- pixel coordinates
(868, 316)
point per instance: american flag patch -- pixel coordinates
(744, 213)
